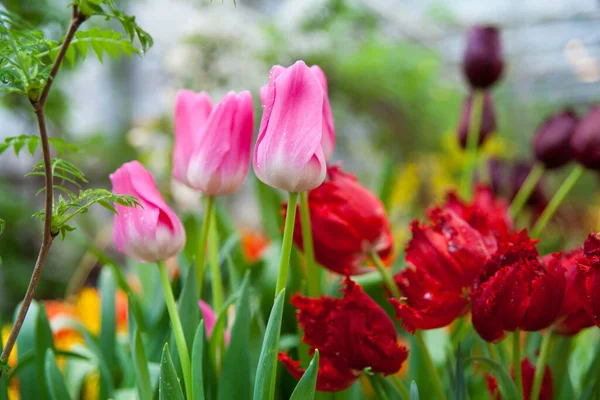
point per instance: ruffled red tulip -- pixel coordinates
(446, 256)
(149, 233)
(348, 221)
(483, 62)
(588, 277)
(516, 290)
(572, 317)
(552, 140)
(528, 374)
(488, 120)
(585, 142)
(351, 333)
(288, 153)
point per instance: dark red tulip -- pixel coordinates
(585, 142)
(588, 277)
(552, 140)
(483, 62)
(516, 290)
(351, 333)
(347, 222)
(445, 257)
(488, 120)
(527, 374)
(572, 317)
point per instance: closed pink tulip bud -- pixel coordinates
(149, 233)
(212, 144)
(288, 154)
(210, 320)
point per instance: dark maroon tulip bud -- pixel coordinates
(488, 120)
(483, 62)
(552, 140)
(585, 142)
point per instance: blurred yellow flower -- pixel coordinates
(12, 359)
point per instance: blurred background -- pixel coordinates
(395, 81)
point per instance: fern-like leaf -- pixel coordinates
(32, 143)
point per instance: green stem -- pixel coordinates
(560, 195)
(376, 384)
(200, 252)
(535, 174)
(217, 286)
(432, 371)
(466, 184)
(312, 273)
(493, 352)
(286, 246)
(385, 274)
(182, 349)
(404, 393)
(540, 366)
(517, 361)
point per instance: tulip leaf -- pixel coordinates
(54, 379)
(507, 386)
(460, 392)
(44, 340)
(27, 340)
(142, 374)
(108, 292)
(307, 385)
(414, 391)
(264, 385)
(591, 379)
(197, 362)
(236, 363)
(189, 314)
(169, 386)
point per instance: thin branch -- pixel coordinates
(48, 235)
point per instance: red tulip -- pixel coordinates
(572, 317)
(483, 61)
(351, 333)
(552, 140)
(446, 256)
(528, 374)
(348, 221)
(588, 277)
(516, 290)
(487, 124)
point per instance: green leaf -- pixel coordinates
(27, 340)
(54, 379)
(108, 332)
(236, 363)
(2, 225)
(197, 363)
(142, 374)
(507, 386)
(44, 340)
(414, 391)
(460, 390)
(264, 385)
(307, 385)
(189, 314)
(4, 387)
(169, 386)
(591, 379)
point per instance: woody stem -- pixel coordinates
(312, 274)
(517, 361)
(560, 195)
(526, 189)
(385, 274)
(466, 183)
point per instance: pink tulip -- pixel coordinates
(288, 154)
(328, 139)
(212, 144)
(149, 233)
(210, 319)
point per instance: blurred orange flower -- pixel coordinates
(254, 245)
